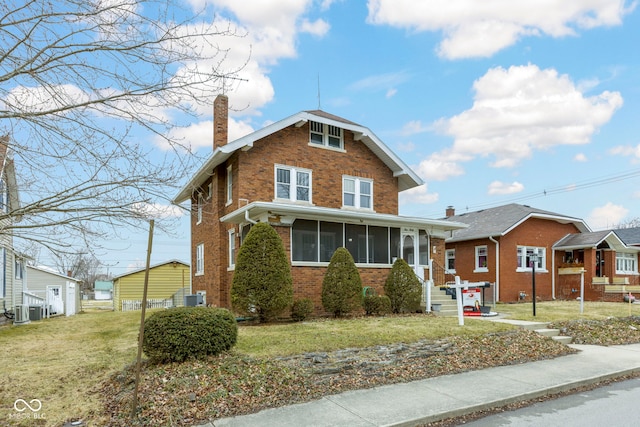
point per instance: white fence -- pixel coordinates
(131, 305)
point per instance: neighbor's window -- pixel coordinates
(293, 184)
(325, 135)
(450, 255)
(357, 192)
(200, 259)
(481, 258)
(524, 254)
(19, 269)
(626, 263)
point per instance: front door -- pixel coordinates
(410, 250)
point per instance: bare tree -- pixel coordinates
(632, 223)
(85, 85)
(81, 265)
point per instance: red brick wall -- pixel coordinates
(533, 233)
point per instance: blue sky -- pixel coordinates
(492, 102)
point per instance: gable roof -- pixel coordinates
(501, 220)
(53, 272)
(103, 285)
(407, 178)
(630, 236)
(588, 240)
(138, 270)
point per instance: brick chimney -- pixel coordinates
(220, 121)
(450, 211)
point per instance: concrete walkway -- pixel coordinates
(437, 398)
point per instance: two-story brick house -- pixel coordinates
(322, 182)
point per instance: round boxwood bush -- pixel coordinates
(177, 334)
(377, 305)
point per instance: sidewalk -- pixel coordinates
(437, 398)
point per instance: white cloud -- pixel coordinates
(606, 216)
(381, 81)
(482, 28)
(502, 188)
(580, 157)
(519, 110)
(626, 151)
(157, 210)
(438, 169)
(418, 195)
(414, 127)
(318, 28)
(200, 135)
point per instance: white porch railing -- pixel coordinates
(131, 305)
(32, 299)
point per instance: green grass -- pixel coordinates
(62, 361)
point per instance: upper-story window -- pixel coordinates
(200, 207)
(200, 259)
(326, 135)
(293, 184)
(357, 192)
(229, 185)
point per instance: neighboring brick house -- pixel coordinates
(322, 182)
(609, 260)
(498, 244)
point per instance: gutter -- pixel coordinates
(496, 294)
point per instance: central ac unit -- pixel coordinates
(21, 314)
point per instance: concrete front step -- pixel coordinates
(563, 339)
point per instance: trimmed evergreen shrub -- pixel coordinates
(377, 305)
(262, 284)
(403, 288)
(180, 333)
(341, 286)
(301, 309)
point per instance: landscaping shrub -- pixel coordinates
(341, 286)
(403, 288)
(301, 309)
(262, 284)
(377, 305)
(180, 333)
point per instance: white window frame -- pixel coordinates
(357, 195)
(293, 184)
(450, 254)
(232, 248)
(200, 259)
(200, 207)
(19, 269)
(229, 184)
(328, 134)
(626, 263)
(521, 257)
(481, 250)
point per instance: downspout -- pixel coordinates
(249, 220)
(496, 294)
(553, 275)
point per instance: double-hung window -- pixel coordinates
(450, 255)
(229, 185)
(481, 259)
(200, 259)
(325, 135)
(293, 184)
(357, 192)
(626, 263)
(525, 258)
(232, 248)
(200, 207)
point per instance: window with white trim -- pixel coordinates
(232, 247)
(200, 259)
(19, 269)
(481, 258)
(325, 135)
(357, 192)
(200, 207)
(524, 262)
(450, 256)
(626, 263)
(293, 184)
(229, 184)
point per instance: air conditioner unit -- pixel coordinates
(21, 314)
